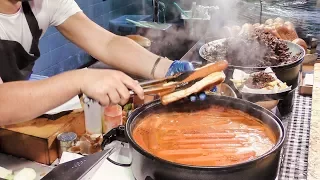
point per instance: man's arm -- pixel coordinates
(25, 100)
(116, 51)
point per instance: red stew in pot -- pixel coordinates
(216, 136)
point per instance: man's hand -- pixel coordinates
(109, 86)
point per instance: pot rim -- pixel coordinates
(284, 66)
(275, 148)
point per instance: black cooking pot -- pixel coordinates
(288, 73)
(146, 166)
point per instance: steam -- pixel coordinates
(193, 29)
(246, 51)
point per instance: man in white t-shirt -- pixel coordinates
(23, 22)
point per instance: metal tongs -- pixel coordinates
(176, 82)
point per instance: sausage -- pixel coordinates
(289, 25)
(287, 32)
(256, 25)
(273, 31)
(211, 80)
(278, 20)
(211, 141)
(261, 27)
(183, 153)
(247, 29)
(207, 70)
(196, 74)
(301, 42)
(292, 30)
(269, 22)
(199, 136)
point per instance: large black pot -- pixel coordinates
(146, 166)
(288, 73)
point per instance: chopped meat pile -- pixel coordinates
(259, 80)
(258, 49)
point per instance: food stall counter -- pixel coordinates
(294, 159)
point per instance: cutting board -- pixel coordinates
(36, 140)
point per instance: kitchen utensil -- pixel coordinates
(82, 168)
(146, 165)
(176, 82)
(179, 81)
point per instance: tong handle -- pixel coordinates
(162, 86)
(157, 90)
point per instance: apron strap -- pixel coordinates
(34, 28)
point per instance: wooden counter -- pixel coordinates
(314, 143)
(36, 140)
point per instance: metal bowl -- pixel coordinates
(268, 104)
(223, 90)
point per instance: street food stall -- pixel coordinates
(260, 120)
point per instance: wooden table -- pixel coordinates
(36, 140)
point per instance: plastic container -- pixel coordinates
(67, 140)
(112, 117)
(121, 26)
(92, 113)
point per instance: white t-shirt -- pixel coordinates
(14, 27)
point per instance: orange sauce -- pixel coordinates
(215, 136)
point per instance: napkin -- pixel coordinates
(308, 80)
(70, 105)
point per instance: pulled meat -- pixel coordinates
(259, 80)
(260, 49)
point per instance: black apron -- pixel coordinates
(15, 63)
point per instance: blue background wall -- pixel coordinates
(59, 55)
